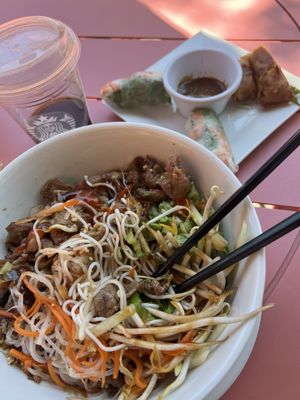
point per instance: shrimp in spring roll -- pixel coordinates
(204, 126)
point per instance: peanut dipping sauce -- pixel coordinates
(200, 87)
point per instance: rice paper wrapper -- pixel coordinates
(204, 126)
(142, 88)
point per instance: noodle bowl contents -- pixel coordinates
(78, 304)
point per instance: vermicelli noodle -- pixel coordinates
(82, 308)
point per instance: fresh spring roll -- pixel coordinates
(204, 126)
(142, 88)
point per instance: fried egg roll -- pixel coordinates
(247, 90)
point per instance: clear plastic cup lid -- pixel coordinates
(35, 53)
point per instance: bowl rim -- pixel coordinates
(246, 334)
(199, 100)
(104, 125)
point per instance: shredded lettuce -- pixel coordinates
(136, 300)
(181, 238)
(156, 226)
(165, 206)
(186, 226)
(131, 239)
(160, 209)
(153, 212)
(166, 306)
(194, 194)
(5, 269)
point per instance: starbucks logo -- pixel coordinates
(46, 125)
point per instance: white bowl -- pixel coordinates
(96, 148)
(203, 63)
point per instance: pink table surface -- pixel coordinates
(254, 20)
(141, 36)
(272, 371)
(94, 18)
(277, 252)
(293, 8)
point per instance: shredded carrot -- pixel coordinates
(40, 297)
(185, 339)
(84, 347)
(116, 364)
(49, 211)
(63, 292)
(50, 328)
(90, 353)
(77, 367)
(103, 355)
(63, 319)
(27, 364)
(54, 375)
(56, 310)
(139, 369)
(73, 330)
(173, 353)
(7, 314)
(76, 364)
(69, 353)
(21, 331)
(89, 364)
(33, 309)
(188, 336)
(26, 359)
(132, 272)
(19, 355)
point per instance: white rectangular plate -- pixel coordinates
(245, 126)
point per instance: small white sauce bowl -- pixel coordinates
(203, 63)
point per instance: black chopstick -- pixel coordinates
(232, 202)
(244, 251)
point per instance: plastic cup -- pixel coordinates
(40, 85)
